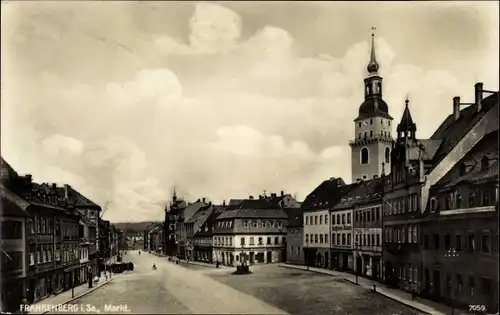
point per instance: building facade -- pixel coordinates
(372, 142)
(295, 237)
(417, 165)
(316, 208)
(14, 254)
(341, 230)
(367, 227)
(192, 226)
(460, 235)
(252, 236)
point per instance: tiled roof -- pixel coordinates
(253, 213)
(211, 220)
(193, 208)
(326, 195)
(201, 215)
(20, 205)
(451, 131)
(81, 200)
(359, 193)
(295, 216)
(235, 202)
(423, 148)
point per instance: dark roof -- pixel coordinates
(406, 123)
(451, 131)
(210, 222)
(201, 215)
(373, 106)
(295, 216)
(326, 195)
(12, 204)
(80, 200)
(362, 192)
(235, 202)
(253, 214)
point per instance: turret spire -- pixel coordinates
(373, 65)
(406, 128)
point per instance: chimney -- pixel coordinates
(223, 202)
(261, 197)
(282, 193)
(54, 186)
(273, 195)
(203, 199)
(29, 177)
(456, 107)
(478, 89)
(251, 197)
(375, 176)
(359, 180)
(198, 200)
(66, 186)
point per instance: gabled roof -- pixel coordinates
(201, 215)
(210, 222)
(326, 195)
(235, 202)
(253, 214)
(193, 208)
(81, 200)
(423, 148)
(362, 192)
(451, 131)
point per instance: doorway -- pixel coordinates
(269, 257)
(437, 283)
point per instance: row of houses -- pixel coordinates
(421, 213)
(427, 224)
(53, 238)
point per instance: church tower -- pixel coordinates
(371, 147)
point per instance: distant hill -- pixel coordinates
(133, 227)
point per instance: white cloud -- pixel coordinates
(228, 115)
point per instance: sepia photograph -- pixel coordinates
(249, 157)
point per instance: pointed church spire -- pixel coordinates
(373, 65)
(406, 126)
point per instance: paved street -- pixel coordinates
(306, 293)
(171, 289)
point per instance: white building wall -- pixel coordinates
(316, 227)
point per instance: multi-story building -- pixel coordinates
(460, 233)
(294, 253)
(316, 208)
(203, 249)
(170, 230)
(249, 235)
(84, 234)
(417, 165)
(182, 217)
(341, 230)
(372, 139)
(192, 226)
(92, 212)
(104, 245)
(366, 202)
(13, 243)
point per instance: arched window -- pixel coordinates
(367, 90)
(387, 155)
(371, 121)
(370, 89)
(433, 204)
(364, 156)
(359, 124)
(365, 134)
(379, 88)
(371, 133)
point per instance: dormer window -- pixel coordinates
(433, 204)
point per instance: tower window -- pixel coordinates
(371, 121)
(359, 135)
(359, 124)
(371, 133)
(389, 122)
(381, 121)
(387, 155)
(379, 88)
(366, 134)
(364, 156)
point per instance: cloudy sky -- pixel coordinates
(125, 100)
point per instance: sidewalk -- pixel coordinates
(419, 303)
(45, 305)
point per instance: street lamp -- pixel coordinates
(307, 252)
(242, 256)
(73, 284)
(452, 254)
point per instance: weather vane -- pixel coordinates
(373, 30)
